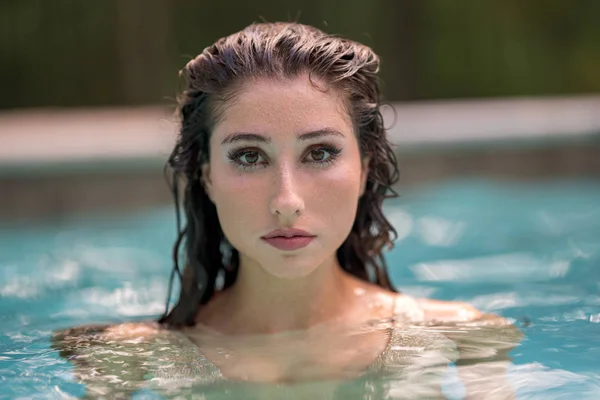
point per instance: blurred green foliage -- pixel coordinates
(80, 53)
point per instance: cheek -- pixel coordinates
(336, 195)
(239, 199)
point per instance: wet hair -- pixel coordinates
(212, 79)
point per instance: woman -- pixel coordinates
(285, 164)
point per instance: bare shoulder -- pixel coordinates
(133, 330)
(456, 312)
(472, 329)
(108, 358)
(105, 332)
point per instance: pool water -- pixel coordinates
(529, 252)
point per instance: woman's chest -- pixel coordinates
(294, 357)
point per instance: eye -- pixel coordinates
(250, 157)
(323, 154)
(247, 159)
(319, 155)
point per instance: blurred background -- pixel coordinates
(72, 53)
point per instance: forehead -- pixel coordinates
(284, 106)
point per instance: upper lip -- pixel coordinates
(287, 233)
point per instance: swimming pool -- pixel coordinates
(527, 251)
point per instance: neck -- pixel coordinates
(260, 303)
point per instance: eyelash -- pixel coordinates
(235, 155)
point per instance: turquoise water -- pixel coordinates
(530, 252)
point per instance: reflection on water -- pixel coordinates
(516, 250)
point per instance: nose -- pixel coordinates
(286, 203)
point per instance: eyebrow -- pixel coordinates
(255, 137)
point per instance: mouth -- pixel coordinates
(288, 239)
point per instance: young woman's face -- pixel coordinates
(284, 156)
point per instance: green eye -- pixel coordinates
(250, 157)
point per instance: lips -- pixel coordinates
(288, 239)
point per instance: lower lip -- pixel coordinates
(289, 243)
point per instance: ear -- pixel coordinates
(206, 180)
(364, 175)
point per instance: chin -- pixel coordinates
(292, 267)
